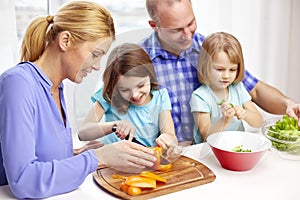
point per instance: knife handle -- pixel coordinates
(114, 128)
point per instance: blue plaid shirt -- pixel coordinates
(179, 75)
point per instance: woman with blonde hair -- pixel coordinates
(36, 159)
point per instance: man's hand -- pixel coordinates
(293, 110)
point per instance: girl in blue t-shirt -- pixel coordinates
(222, 101)
(130, 103)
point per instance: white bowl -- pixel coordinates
(287, 149)
(223, 143)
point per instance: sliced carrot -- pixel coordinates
(157, 154)
(142, 182)
(133, 191)
(124, 187)
(137, 181)
(152, 175)
(117, 176)
(134, 178)
(163, 168)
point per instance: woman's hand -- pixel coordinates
(90, 145)
(125, 128)
(126, 156)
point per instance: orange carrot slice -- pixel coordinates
(142, 182)
(153, 176)
(133, 191)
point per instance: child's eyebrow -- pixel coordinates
(232, 66)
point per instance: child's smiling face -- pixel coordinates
(135, 90)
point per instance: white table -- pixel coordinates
(272, 178)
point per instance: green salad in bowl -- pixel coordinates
(284, 134)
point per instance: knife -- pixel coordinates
(163, 160)
(114, 129)
(134, 140)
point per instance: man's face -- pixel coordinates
(176, 26)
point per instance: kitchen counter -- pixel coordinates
(272, 178)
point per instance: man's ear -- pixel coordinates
(64, 40)
(153, 25)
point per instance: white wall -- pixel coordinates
(8, 35)
(293, 89)
(268, 31)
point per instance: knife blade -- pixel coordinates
(135, 140)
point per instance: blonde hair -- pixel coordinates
(215, 43)
(129, 60)
(86, 21)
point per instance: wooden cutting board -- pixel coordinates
(185, 173)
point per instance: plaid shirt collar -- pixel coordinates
(159, 51)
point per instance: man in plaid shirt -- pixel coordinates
(174, 48)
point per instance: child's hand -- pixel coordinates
(228, 111)
(125, 128)
(240, 112)
(169, 145)
(165, 141)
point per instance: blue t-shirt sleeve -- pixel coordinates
(98, 96)
(243, 93)
(165, 100)
(249, 81)
(198, 101)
